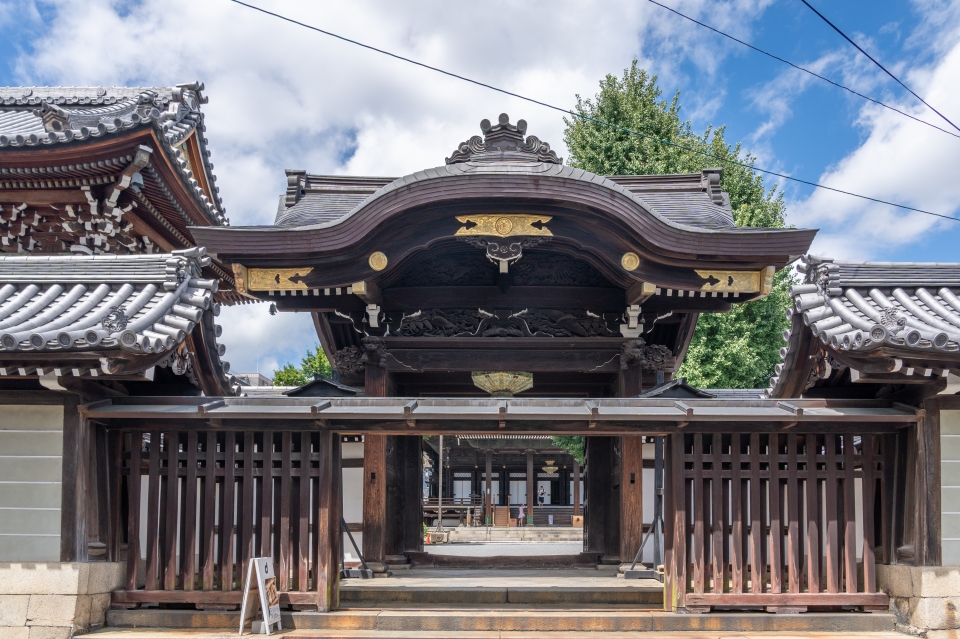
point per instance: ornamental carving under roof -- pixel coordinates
(504, 141)
(526, 323)
(537, 268)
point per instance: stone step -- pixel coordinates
(166, 633)
(358, 596)
(347, 623)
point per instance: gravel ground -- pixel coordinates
(506, 549)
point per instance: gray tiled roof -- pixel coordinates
(137, 303)
(36, 117)
(690, 200)
(863, 306)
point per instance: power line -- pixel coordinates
(883, 68)
(799, 68)
(586, 117)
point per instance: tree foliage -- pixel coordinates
(314, 363)
(733, 350)
(573, 445)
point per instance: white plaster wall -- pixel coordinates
(950, 485)
(31, 449)
(352, 497)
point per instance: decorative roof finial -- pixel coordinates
(501, 142)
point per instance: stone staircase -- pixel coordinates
(532, 534)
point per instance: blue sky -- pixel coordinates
(282, 97)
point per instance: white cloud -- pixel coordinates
(257, 341)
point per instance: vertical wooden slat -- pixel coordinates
(315, 512)
(133, 508)
(209, 510)
(736, 507)
(699, 566)
(813, 516)
(869, 495)
(887, 494)
(679, 521)
(284, 528)
(669, 526)
(266, 500)
(776, 521)
(719, 524)
(329, 515)
(303, 514)
(188, 546)
(793, 516)
(153, 512)
(115, 523)
(757, 523)
(171, 509)
(832, 539)
(227, 499)
(849, 517)
(246, 516)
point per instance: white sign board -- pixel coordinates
(262, 581)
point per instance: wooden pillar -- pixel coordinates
(576, 486)
(376, 384)
(631, 496)
(602, 513)
(488, 489)
(412, 493)
(531, 488)
(927, 486)
(329, 535)
(74, 488)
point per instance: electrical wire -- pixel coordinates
(799, 68)
(883, 68)
(586, 117)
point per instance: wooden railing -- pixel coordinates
(774, 520)
(196, 506)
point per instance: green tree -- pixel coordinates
(314, 363)
(574, 445)
(733, 350)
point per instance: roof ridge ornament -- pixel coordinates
(503, 141)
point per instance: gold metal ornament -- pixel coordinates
(378, 261)
(630, 261)
(732, 281)
(277, 279)
(504, 225)
(502, 383)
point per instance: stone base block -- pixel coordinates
(925, 599)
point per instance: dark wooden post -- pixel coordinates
(412, 493)
(531, 491)
(631, 496)
(329, 515)
(376, 383)
(927, 487)
(74, 488)
(576, 487)
(488, 489)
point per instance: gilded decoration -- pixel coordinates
(732, 281)
(277, 279)
(502, 383)
(378, 261)
(630, 261)
(506, 225)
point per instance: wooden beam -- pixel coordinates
(927, 495)
(369, 292)
(597, 299)
(640, 292)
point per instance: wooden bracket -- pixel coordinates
(408, 413)
(682, 425)
(316, 408)
(203, 409)
(791, 408)
(789, 425)
(368, 292)
(687, 410)
(594, 412)
(640, 292)
(502, 412)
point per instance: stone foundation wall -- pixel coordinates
(53, 600)
(925, 599)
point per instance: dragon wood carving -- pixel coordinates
(636, 352)
(526, 323)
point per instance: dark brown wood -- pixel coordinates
(171, 493)
(699, 551)
(227, 535)
(718, 526)
(188, 538)
(631, 497)
(849, 517)
(576, 483)
(927, 482)
(812, 490)
(208, 510)
(246, 513)
(267, 490)
(133, 508)
(757, 520)
(598, 300)
(775, 492)
(75, 460)
(868, 466)
(286, 495)
(303, 514)
(412, 492)
(793, 516)
(329, 516)
(736, 507)
(153, 513)
(488, 488)
(679, 523)
(672, 589)
(531, 490)
(374, 496)
(832, 534)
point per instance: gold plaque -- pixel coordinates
(630, 261)
(378, 261)
(731, 281)
(277, 279)
(505, 225)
